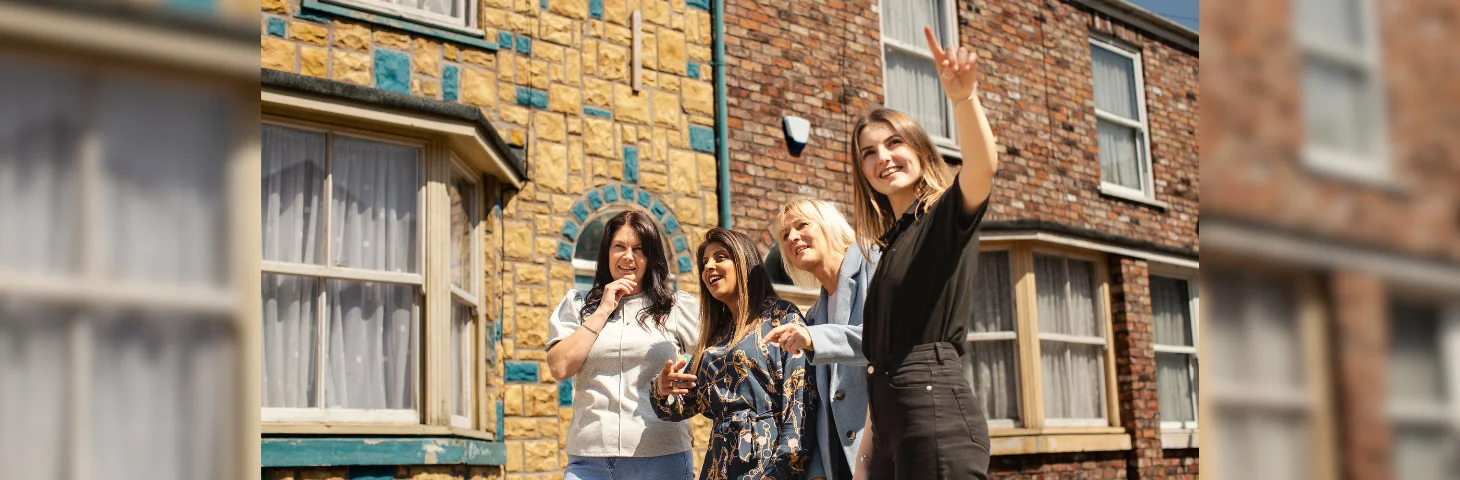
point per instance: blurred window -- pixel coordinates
(1424, 347)
(1120, 112)
(1342, 90)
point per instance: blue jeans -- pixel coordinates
(675, 466)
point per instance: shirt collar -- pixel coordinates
(903, 222)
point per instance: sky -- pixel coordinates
(1180, 11)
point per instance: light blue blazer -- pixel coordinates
(835, 324)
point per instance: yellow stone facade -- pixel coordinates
(575, 134)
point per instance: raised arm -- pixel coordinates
(571, 337)
(797, 406)
(956, 71)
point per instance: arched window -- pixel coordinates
(585, 252)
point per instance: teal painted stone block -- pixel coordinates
(570, 230)
(680, 245)
(645, 199)
(565, 250)
(501, 422)
(700, 4)
(595, 9)
(693, 70)
(627, 192)
(581, 211)
(369, 451)
(610, 194)
(276, 27)
(565, 393)
(659, 210)
(597, 112)
(671, 225)
(595, 201)
(372, 473)
(392, 71)
(539, 99)
(684, 264)
(702, 139)
(524, 45)
(631, 164)
(522, 372)
(504, 38)
(524, 96)
(451, 83)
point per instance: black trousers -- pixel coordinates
(926, 422)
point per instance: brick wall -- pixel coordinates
(823, 62)
(1255, 172)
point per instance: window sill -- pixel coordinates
(381, 450)
(332, 428)
(1351, 170)
(472, 36)
(1180, 439)
(1123, 195)
(1059, 440)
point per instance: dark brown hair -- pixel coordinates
(720, 322)
(655, 284)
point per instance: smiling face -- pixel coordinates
(718, 275)
(803, 243)
(888, 162)
(626, 255)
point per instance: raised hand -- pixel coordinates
(955, 69)
(792, 337)
(615, 291)
(671, 382)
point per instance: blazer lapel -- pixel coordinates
(847, 286)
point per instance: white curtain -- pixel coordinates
(1119, 154)
(1115, 82)
(35, 366)
(1425, 452)
(164, 151)
(290, 339)
(370, 362)
(1074, 377)
(904, 20)
(373, 208)
(40, 137)
(994, 376)
(1264, 445)
(1173, 381)
(461, 359)
(293, 169)
(1336, 112)
(1171, 309)
(913, 88)
(163, 394)
(463, 195)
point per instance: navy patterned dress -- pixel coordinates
(761, 401)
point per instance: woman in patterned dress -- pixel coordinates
(759, 397)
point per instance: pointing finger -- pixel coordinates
(938, 54)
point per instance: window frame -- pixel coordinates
(326, 272)
(971, 337)
(1107, 325)
(1141, 124)
(1193, 292)
(1374, 166)
(1439, 414)
(468, 23)
(472, 296)
(433, 413)
(947, 146)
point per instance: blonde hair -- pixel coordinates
(838, 233)
(872, 212)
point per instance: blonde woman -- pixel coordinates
(817, 250)
(925, 420)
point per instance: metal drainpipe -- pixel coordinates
(722, 129)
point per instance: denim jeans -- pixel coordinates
(675, 466)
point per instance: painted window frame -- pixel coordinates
(471, 297)
(1439, 414)
(432, 414)
(467, 23)
(972, 337)
(1193, 291)
(1374, 166)
(947, 146)
(1032, 432)
(1141, 124)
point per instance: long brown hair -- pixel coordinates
(872, 213)
(720, 322)
(655, 284)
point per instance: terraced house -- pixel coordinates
(435, 176)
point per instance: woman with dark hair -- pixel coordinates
(610, 338)
(759, 397)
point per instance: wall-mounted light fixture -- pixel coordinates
(798, 132)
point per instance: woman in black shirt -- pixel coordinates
(925, 420)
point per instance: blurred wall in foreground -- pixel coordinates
(1331, 201)
(128, 143)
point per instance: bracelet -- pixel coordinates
(595, 332)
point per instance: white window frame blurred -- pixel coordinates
(469, 297)
(1193, 291)
(1444, 414)
(433, 284)
(1373, 166)
(466, 23)
(1140, 124)
(948, 146)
